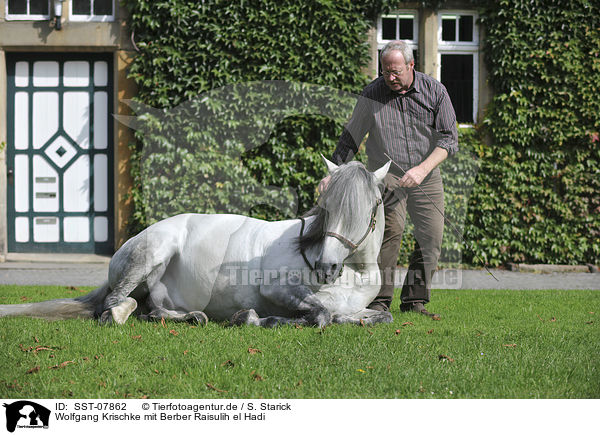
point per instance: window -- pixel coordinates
(458, 61)
(400, 25)
(27, 9)
(92, 10)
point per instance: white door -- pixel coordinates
(59, 153)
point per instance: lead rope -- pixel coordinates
(302, 250)
(446, 219)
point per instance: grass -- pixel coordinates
(488, 344)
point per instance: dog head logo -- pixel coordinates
(26, 414)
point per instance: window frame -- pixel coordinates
(91, 17)
(412, 43)
(464, 48)
(26, 17)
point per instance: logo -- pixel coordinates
(26, 414)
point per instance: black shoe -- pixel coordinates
(417, 307)
(378, 306)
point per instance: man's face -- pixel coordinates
(396, 73)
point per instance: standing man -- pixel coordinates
(408, 116)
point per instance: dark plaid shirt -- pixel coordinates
(407, 126)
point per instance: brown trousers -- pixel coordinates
(428, 230)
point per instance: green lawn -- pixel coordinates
(488, 344)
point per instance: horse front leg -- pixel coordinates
(304, 307)
(364, 317)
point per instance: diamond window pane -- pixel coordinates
(406, 28)
(388, 28)
(38, 7)
(448, 29)
(82, 7)
(17, 7)
(465, 28)
(103, 7)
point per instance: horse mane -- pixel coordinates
(349, 198)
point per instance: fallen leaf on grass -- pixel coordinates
(553, 319)
(185, 352)
(509, 345)
(25, 298)
(36, 349)
(62, 365)
(445, 358)
(137, 337)
(228, 364)
(407, 324)
(33, 370)
(398, 331)
(36, 339)
(430, 331)
(212, 387)
(162, 322)
(253, 351)
(436, 317)
(589, 323)
(256, 376)
(173, 332)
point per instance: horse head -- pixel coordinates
(345, 216)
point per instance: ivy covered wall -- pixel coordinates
(534, 199)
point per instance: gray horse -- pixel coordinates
(316, 270)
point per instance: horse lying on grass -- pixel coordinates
(317, 270)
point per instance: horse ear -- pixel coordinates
(382, 172)
(330, 165)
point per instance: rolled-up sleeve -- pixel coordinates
(445, 124)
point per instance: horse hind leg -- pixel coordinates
(120, 313)
(194, 317)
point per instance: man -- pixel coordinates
(408, 116)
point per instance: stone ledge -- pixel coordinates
(56, 258)
(552, 268)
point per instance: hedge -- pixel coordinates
(239, 98)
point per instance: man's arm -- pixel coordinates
(354, 132)
(446, 138)
(415, 176)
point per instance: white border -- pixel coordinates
(92, 17)
(25, 17)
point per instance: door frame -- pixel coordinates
(91, 246)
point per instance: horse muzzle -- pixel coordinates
(327, 273)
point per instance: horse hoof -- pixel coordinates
(121, 312)
(198, 317)
(245, 317)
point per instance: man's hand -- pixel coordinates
(414, 177)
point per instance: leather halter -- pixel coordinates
(349, 244)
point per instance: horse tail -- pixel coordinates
(87, 306)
